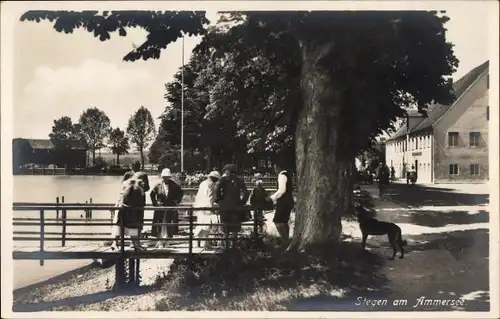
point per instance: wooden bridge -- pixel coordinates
(96, 245)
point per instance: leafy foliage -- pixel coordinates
(215, 134)
(377, 61)
(119, 144)
(64, 134)
(163, 27)
(95, 127)
(141, 129)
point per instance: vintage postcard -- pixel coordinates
(252, 159)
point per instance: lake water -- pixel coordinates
(75, 189)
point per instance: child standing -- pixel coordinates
(259, 199)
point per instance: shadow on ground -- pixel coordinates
(266, 279)
(417, 196)
(440, 266)
(430, 218)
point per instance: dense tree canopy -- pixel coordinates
(141, 129)
(327, 81)
(118, 143)
(64, 133)
(95, 127)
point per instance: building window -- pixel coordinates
(452, 138)
(416, 142)
(474, 169)
(262, 163)
(453, 169)
(474, 139)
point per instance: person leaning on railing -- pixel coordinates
(115, 229)
(231, 194)
(166, 193)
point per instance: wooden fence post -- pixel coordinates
(90, 209)
(191, 221)
(63, 212)
(255, 228)
(120, 262)
(138, 272)
(42, 235)
(57, 209)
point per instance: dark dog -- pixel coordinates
(372, 226)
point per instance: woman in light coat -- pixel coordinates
(206, 198)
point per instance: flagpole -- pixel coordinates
(182, 109)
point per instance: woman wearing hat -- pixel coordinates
(165, 193)
(231, 194)
(206, 198)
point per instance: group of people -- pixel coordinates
(227, 192)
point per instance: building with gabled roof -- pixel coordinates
(43, 152)
(450, 144)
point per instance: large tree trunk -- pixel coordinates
(117, 159)
(322, 164)
(93, 156)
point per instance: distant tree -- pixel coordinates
(77, 134)
(118, 143)
(141, 129)
(62, 133)
(95, 127)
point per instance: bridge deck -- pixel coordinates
(97, 251)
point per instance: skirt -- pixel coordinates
(283, 212)
(128, 231)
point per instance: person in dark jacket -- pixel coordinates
(231, 194)
(132, 207)
(165, 193)
(259, 199)
(283, 199)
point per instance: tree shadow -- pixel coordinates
(443, 266)
(417, 196)
(263, 278)
(431, 218)
(75, 301)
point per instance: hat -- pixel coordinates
(230, 167)
(214, 174)
(166, 173)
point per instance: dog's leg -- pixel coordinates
(392, 241)
(401, 245)
(363, 242)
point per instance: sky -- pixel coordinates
(56, 74)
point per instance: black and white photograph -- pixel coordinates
(250, 159)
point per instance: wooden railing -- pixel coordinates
(44, 222)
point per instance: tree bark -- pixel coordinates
(117, 159)
(321, 162)
(93, 156)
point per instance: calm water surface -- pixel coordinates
(75, 189)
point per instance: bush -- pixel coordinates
(261, 277)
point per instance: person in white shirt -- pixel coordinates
(283, 199)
